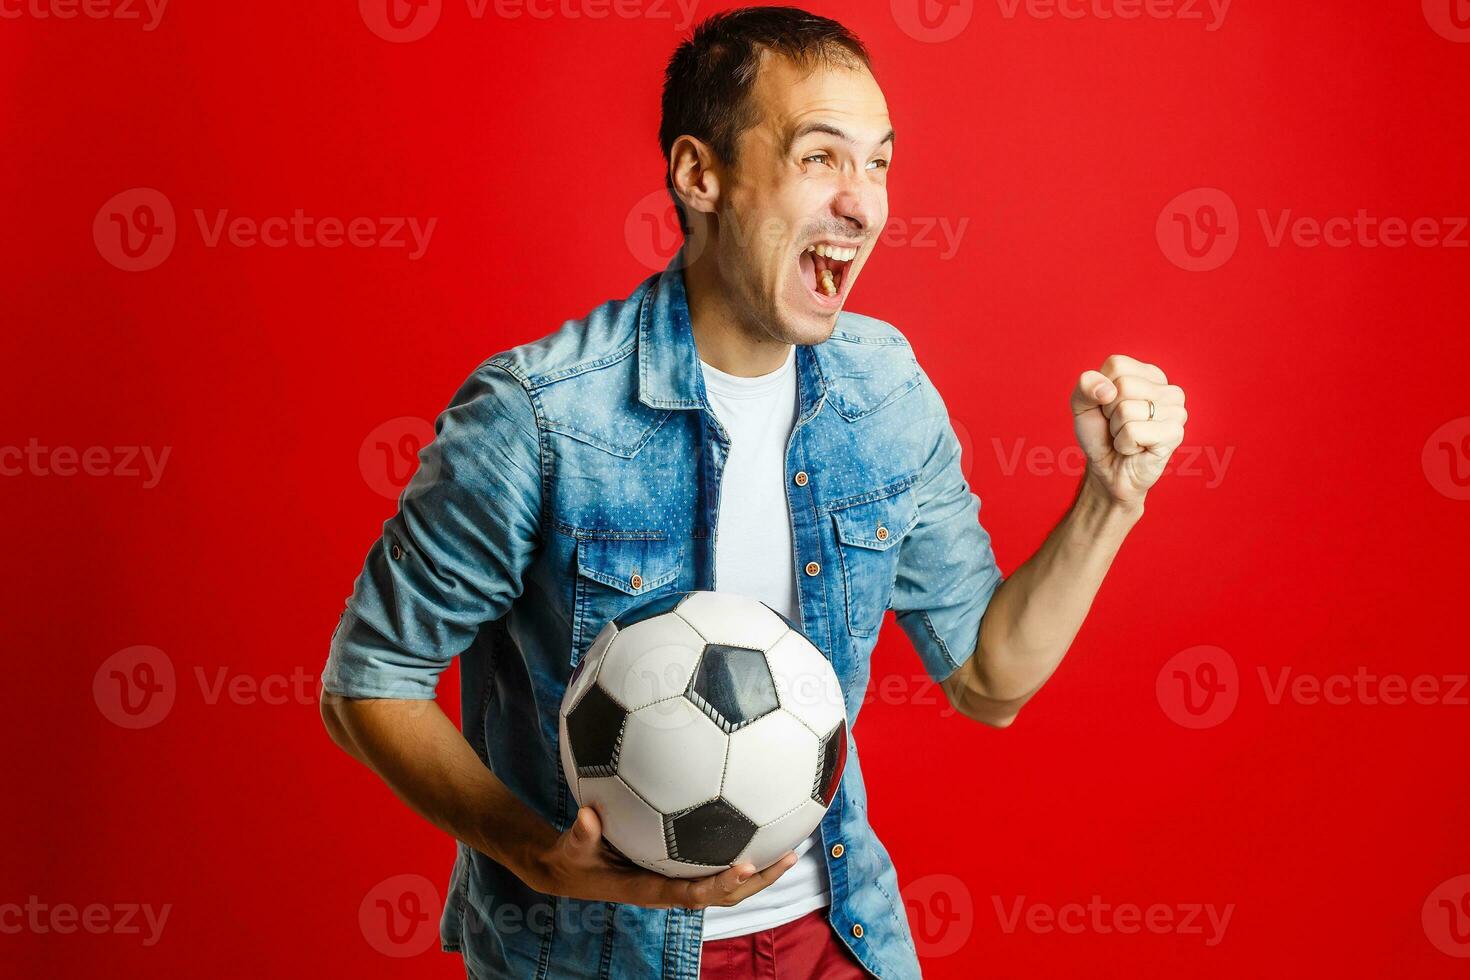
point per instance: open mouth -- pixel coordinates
(824, 268)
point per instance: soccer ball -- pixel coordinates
(706, 730)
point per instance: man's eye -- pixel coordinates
(879, 164)
(819, 157)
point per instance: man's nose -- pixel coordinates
(858, 203)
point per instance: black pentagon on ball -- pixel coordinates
(832, 756)
(733, 686)
(648, 608)
(712, 833)
(595, 728)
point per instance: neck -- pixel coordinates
(725, 342)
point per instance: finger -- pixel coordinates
(1136, 388)
(1120, 364)
(1136, 410)
(762, 879)
(1156, 436)
(1093, 389)
(697, 893)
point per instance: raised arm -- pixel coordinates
(1128, 420)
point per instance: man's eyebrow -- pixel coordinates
(806, 129)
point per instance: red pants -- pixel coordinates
(805, 948)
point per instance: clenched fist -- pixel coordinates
(1129, 420)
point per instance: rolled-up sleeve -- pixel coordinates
(453, 556)
(947, 572)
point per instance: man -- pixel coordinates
(726, 426)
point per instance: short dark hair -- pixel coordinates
(709, 76)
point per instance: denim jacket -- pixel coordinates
(576, 476)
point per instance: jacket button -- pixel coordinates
(812, 568)
(838, 850)
(396, 552)
(636, 581)
(857, 930)
(882, 533)
(800, 478)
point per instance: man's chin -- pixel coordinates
(810, 329)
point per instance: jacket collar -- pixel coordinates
(668, 360)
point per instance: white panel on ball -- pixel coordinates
(772, 767)
(806, 684)
(672, 755)
(735, 620)
(650, 661)
(632, 826)
(587, 667)
(782, 834)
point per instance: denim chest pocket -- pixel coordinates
(616, 570)
(869, 533)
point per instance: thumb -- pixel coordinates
(1093, 389)
(586, 830)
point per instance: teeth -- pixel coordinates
(828, 286)
(833, 252)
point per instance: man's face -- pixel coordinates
(806, 199)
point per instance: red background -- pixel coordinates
(1327, 545)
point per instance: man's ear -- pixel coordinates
(693, 170)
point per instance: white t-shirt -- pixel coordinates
(754, 557)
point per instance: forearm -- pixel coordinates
(420, 754)
(1034, 616)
